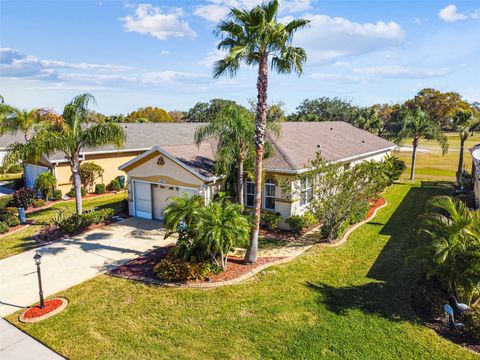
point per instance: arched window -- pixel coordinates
(250, 193)
(269, 197)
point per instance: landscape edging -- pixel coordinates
(256, 270)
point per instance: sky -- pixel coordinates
(160, 53)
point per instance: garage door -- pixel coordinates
(143, 200)
(161, 197)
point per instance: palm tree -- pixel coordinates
(463, 123)
(417, 125)
(222, 226)
(452, 249)
(45, 182)
(181, 209)
(256, 38)
(13, 120)
(71, 135)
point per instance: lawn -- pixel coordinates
(350, 302)
(431, 165)
(24, 240)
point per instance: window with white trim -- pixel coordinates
(269, 198)
(250, 193)
(306, 191)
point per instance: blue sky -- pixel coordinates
(131, 54)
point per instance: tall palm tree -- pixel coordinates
(452, 248)
(71, 136)
(417, 125)
(13, 120)
(256, 38)
(463, 123)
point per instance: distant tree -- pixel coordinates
(177, 116)
(117, 118)
(324, 109)
(366, 118)
(463, 123)
(97, 117)
(89, 172)
(439, 106)
(417, 125)
(389, 115)
(204, 112)
(149, 114)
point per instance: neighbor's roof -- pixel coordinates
(8, 139)
(299, 143)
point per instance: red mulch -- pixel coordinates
(375, 204)
(36, 311)
(143, 267)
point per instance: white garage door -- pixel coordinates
(143, 200)
(161, 197)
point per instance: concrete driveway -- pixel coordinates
(70, 262)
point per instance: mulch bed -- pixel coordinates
(374, 204)
(142, 267)
(35, 313)
(458, 337)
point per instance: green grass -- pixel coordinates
(350, 302)
(25, 240)
(10, 176)
(432, 165)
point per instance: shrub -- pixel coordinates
(89, 172)
(115, 185)
(77, 223)
(178, 270)
(466, 180)
(309, 219)
(23, 197)
(49, 233)
(99, 189)
(360, 214)
(71, 193)
(39, 203)
(9, 215)
(296, 223)
(392, 168)
(45, 183)
(428, 298)
(15, 169)
(472, 322)
(56, 195)
(270, 219)
(4, 227)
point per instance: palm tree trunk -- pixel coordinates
(240, 190)
(77, 184)
(261, 123)
(414, 159)
(460, 158)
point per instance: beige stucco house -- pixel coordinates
(475, 151)
(166, 171)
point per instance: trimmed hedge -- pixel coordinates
(4, 227)
(71, 193)
(270, 220)
(9, 215)
(77, 223)
(100, 189)
(56, 195)
(178, 270)
(39, 203)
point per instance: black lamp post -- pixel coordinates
(38, 260)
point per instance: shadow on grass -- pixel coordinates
(388, 295)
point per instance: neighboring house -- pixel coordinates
(140, 138)
(168, 170)
(475, 151)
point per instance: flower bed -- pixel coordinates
(374, 205)
(141, 269)
(35, 313)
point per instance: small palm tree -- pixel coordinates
(452, 249)
(45, 183)
(183, 209)
(256, 38)
(70, 135)
(220, 228)
(417, 125)
(463, 122)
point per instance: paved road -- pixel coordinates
(70, 262)
(16, 345)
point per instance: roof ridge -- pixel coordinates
(282, 152)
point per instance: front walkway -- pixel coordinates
(15, 344)
(70, 262)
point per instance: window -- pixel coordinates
(250, 194)
(269, 199)
(306, 191)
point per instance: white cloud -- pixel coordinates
(331, 38)
(450, 14)
(164, 52)
(397, 71)
(211, 57)
(217, 10)
(152, 21)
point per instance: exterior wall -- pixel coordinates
(476, 184)
(109, 162)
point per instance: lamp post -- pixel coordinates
(38, 260)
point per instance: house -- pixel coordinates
(475, 151)
(139, 138)
(167, 170)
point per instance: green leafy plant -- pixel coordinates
(309, 219)
(4, 227)
(296, 223)
(100, 189)
(89, 172)
(23, 197)
(270, 220)
(39, 203)
(428, 298)
(56, 195)
(115, 185)
(177, 270)
(472, 322)
(466, 180)
(71, 193)
(79, 222)
(392, 168)
(45, 183)
(9, 215)
(360, 214)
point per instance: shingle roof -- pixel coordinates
(8, 139)
(199, 157)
